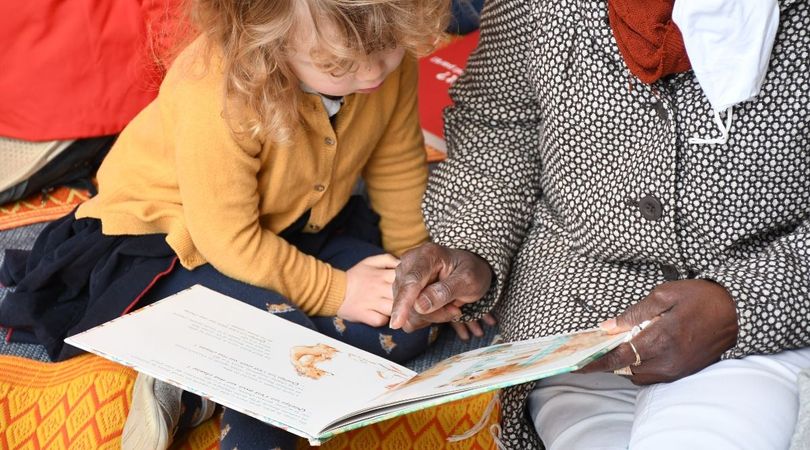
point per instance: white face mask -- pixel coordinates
(729, 44)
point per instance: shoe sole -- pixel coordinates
(145, 428)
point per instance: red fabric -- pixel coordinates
(649, 41)
(437, 72)
(78, 68)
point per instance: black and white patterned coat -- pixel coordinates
(576, 182)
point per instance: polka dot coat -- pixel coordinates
(577, 182)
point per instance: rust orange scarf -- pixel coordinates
(649, 41)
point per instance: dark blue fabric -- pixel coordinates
(73, 269)
(240, 431)
(465, 16)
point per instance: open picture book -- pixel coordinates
(255, 362)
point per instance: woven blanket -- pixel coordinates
(41, 207)
(82, 403)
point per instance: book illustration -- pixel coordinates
(278, 308)
(339, 324)
(558, 348)
(387, 342)
(388, 371)
(504, 364)
(305, 357)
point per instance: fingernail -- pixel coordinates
(423, 305)
(608, 324)
(391, 322)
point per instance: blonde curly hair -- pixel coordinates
(255, 39)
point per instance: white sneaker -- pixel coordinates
(155, 413)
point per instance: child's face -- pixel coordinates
(369, 75)
(366, 79)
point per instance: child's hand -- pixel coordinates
(369, 293)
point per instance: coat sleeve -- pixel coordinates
(769, 279)
(482, 197)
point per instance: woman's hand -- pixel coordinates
(693, 323)
(369, 295)
(474, 327)
(432, 284)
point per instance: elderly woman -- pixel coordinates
(613, 162)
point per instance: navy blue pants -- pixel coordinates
(343, 252)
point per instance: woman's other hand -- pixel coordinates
(692, 323)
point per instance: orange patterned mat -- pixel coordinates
(41, 207)
(427, 429)
(82, 403)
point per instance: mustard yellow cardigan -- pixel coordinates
(222, 198)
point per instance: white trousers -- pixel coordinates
(748, 403)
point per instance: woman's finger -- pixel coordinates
(461, 330)
(619, 357)
(475, 328)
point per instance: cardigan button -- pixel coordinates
(320, 187)
(651, 208)
(329, 141)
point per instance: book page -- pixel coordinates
(246, 359)
(505, 364)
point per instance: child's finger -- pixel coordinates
(374, 319)
(383, 306)
(389, 276)
(384, 261)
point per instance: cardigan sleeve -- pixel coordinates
(217, 174)
(769, 280)
(396, 173)
(481, 199)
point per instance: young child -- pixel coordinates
(239, 176)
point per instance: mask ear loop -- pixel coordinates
(724, 129)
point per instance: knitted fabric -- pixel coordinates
(649, 41)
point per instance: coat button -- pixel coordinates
(670, 272)
(651, 208)
(329, 141)
(660, 110)
(320, 187)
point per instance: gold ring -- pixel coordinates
(625, 371)
(637, 362)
